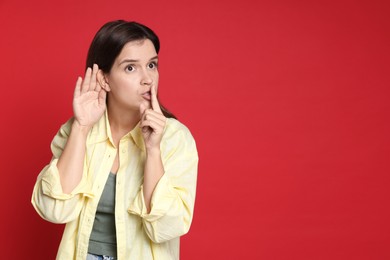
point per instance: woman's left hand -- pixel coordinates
(152, 123)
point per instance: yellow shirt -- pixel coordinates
(139, 235)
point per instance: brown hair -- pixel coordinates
(109, 41)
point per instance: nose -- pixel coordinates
(146, 78)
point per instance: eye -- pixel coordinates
(153, 65)
(130, 68)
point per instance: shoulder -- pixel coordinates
(174, 129)
(177, 137)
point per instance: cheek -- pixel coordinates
(124, 88)
(156, 77)
(126, 82)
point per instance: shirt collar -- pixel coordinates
(101, 131)
(136, 134)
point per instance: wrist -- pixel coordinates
(78, 128)
(153, 152)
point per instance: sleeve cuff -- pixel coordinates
(51, 184)
(162, 199)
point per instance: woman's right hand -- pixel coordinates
(89, 102)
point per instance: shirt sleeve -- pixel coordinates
(48, 198)
(173, 198)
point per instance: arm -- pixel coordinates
(153, 172)
(60, 189)
(71, 162)
(172, 201)
(152, 124)
(88, 106)
(166, 199)
(48, 199)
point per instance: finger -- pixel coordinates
(78, 87)
(87, 78)
(98, 87)
(142, 109)
(153, 115)
(102, 97)
(155, 104)
(93, 84)
(153, 125)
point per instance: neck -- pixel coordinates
(121, 120)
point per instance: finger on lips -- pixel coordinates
(152, 118)
(154, 101)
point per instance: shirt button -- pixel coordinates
(123, 150)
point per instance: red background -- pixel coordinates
(288, 102)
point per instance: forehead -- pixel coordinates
(137, 50)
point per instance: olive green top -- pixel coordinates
(103, 237)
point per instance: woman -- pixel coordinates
(123, 172)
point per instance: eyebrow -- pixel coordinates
(133, 61)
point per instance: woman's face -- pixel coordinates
(132, 75)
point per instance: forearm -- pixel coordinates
(153, 171)
(71, 162)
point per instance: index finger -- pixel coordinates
(155, 104)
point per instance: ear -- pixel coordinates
(102, 80)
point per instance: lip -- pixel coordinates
(147, 95)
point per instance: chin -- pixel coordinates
(146, 104)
